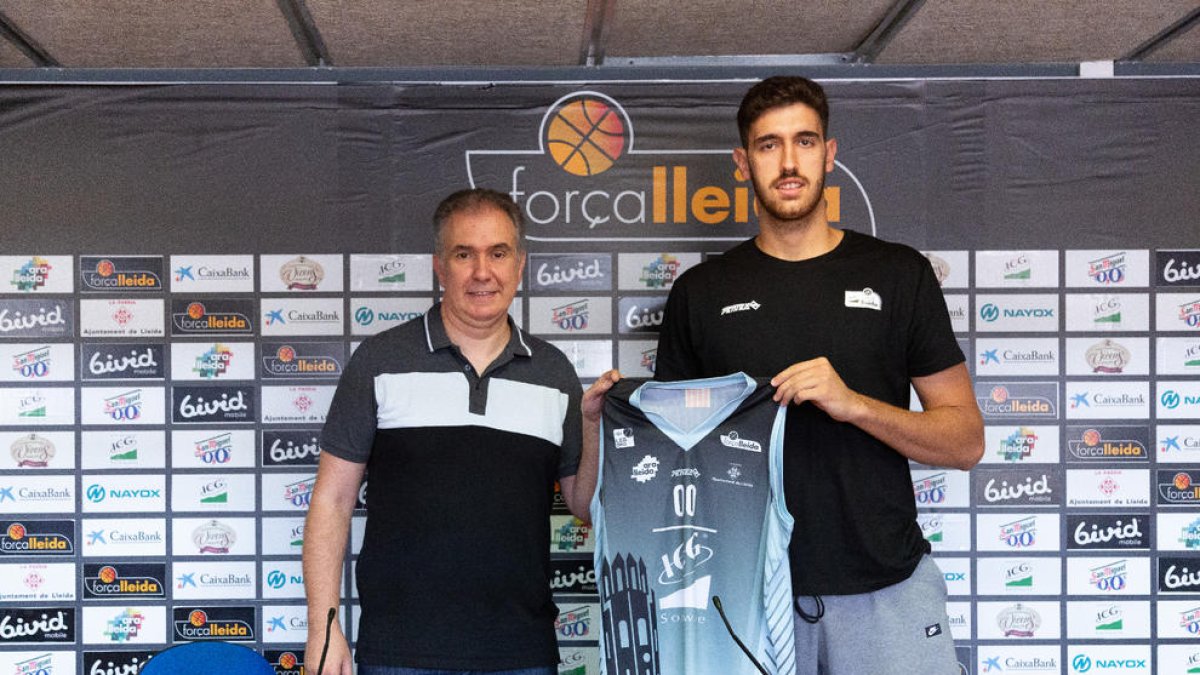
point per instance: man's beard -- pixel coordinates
(786, 212)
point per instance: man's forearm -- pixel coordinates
(326, 530)
(949, 436)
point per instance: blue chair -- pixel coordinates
(207, 658)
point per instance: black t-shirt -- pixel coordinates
(875, 310)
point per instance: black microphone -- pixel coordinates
(325, 649)
(717, 603)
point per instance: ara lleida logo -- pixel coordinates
(585, 175)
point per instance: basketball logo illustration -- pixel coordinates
(585, 135)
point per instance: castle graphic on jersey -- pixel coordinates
(628, 610)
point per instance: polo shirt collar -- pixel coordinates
(436, 337)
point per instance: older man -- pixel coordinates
(463, 423)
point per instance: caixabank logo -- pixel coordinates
(229, 624)
(586, 179)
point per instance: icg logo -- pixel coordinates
(1170, 399)
(1081, 663)
(95, 493)
(989, 312)
(365, 316)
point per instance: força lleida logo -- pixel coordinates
(587, 180)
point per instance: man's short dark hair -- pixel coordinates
(471, 200)
(779, 91)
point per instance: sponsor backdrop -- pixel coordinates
(184, 271)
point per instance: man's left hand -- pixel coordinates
(815, 380)
(593, 398)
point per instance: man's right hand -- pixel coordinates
(337, 660)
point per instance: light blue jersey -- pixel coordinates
(689, 506)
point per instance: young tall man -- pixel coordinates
(842, 323)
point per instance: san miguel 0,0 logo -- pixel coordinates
(586, 179)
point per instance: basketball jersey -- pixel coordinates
(689, 505)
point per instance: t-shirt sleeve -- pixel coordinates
(572, 443)
(931, 344)
(676, 358)
(349, 430)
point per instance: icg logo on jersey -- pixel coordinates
(562, 183)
